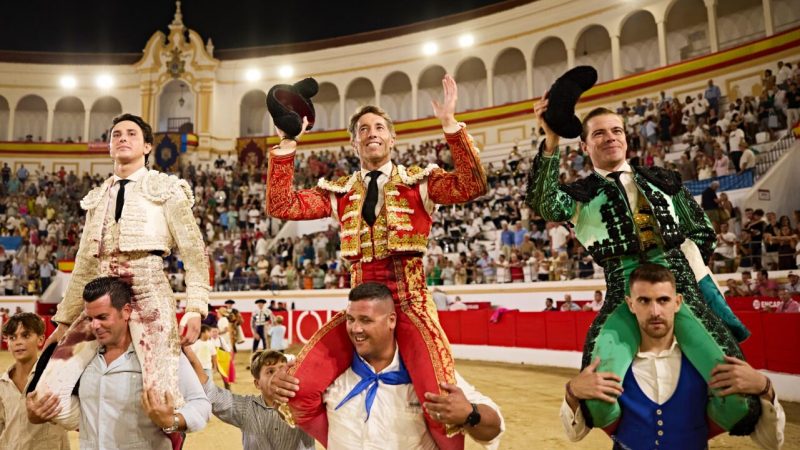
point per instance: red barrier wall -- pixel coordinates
(773, 345)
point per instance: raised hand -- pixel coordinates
(551, 138)
(296, 138)
(446, 110)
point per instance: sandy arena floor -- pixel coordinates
(529, 397)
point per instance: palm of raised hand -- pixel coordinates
(447, 108)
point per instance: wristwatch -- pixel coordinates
(474, 418)
(176, 423)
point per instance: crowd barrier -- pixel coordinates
(773, 345)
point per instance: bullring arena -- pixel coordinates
(696, 81)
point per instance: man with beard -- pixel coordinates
(662, 396)
(626, 215)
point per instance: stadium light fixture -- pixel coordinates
(68, 82)
(430, 48)
(252, 75)
(286, 71)
(104, 81)
(466, 40)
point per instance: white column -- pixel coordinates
(378, 97)
(11, 112)
(342, 119)
(414, 102)
(570, 57)
(768, 25)
(49, 136)
(529, 77)
(616, 57)
(662, 43)
(711, 10)
(85, 136)
(490, 87)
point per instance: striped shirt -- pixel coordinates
(262, 427)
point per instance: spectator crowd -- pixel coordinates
(493, 239)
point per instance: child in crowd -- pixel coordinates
(255, 415)
(24, 332)
(276, 335)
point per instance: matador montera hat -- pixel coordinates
(563, 95)
(289, 103)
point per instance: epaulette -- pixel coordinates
(583, 190)
(667, 180)
(414, 174)
(158, 187)
(340, 185)
(92, 199)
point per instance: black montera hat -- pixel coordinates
(289, 103)
(563, 95)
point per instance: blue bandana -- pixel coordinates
(369, 381)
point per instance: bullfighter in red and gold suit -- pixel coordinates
(384, 211)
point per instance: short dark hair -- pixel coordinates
(29, 321)
(147, 130)
(370, 291)
(117, 288)
(764, 272)
(601, 111)
(205, 328)
(652, 273)
(265, 358)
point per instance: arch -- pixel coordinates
(253, 118)
(326, 107)
(638, 42)
(359, 92)
(686, 28)
(593, 48)
(103, 111)
(69, 117)
(785, 14)
(470, 75)
(740, 21)
(30, 118)
(549, 61)
(172, 112)
(396, 96)
(5, 114)
(508, 77)
(429, 86)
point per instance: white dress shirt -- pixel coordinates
(112, 192)
(396, 419)
(631, 191)
(383, 178)
(111, 413)
(657, 376)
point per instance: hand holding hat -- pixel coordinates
(562, 97)
(291, 108)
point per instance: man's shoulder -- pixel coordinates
(158, 187)
(340, 185)
(92, 199)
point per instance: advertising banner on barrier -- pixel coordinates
(755, 302)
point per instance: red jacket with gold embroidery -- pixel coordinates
(403, 223)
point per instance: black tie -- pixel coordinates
(368, 210)
(616, 177)
(120, 199)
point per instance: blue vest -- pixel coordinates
(678, 423)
